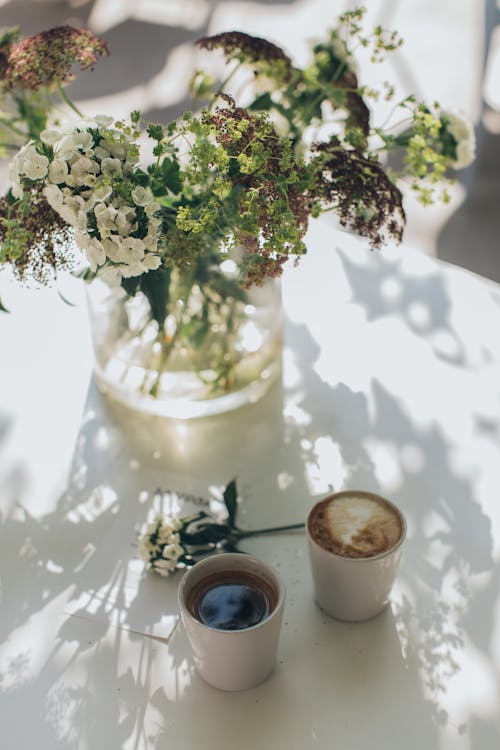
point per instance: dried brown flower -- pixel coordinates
(364, 197)
(7, 39)
(274, 190)
(35, 240)
(247, 48)
(259, 266)
(47, 57)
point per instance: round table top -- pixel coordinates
(391, 383)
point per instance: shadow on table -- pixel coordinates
(422, 641)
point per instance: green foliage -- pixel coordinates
(230, 500)
(227, 181)
(155, 285)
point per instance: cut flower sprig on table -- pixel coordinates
(226, 195)
(170, 543)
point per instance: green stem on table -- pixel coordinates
(258, 532)
(66, 99)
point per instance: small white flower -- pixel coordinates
(151, 240)
(151, 209)
(118, 150)
(151, 262)
(463, 133)
(102, 193)
(15, 177)
(17, 190)
(172, 552)
(83, 141)
(58, 171)
(67, 148)
(101, 153)
(69, 216)
(134, 247)
(103, 121)
(82, 239)
(75, 202)
(112, 276)
(105, 216)
(162, 567)
(113, 249)
(54, 196)
(95, 254)
(84, 171)
(50, 137)
(123, 220)
(89, 200)
(111, 167)
(35, 166)
(132, 269)
(142, 196)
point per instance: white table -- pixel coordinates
(391, 383)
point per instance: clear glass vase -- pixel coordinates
(209, 353)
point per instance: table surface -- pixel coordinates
(391, 383)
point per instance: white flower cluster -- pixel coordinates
(160, 546)
(463, 133)
(90, 183)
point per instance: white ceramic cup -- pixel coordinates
(354, 588)
(233, 659)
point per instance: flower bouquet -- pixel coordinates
(184, 227)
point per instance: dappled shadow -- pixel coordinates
(306, 437)
(422, 302)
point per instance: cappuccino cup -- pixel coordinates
(355, 540)
(232, 607)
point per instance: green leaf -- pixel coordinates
(230, 496)
(131, 285)
(155, 131)
(156, 287)
(169, 174)
(209, 533)
(3, 308)
(263, 102)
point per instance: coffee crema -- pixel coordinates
(355, 524)
(232, 600)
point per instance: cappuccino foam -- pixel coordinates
(355, 525)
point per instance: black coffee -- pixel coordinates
(231, 600)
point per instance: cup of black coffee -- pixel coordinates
(232, 608)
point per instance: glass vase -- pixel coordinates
(213, 349)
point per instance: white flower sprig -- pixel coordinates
(92, 179)
(171, 543)
(160, 546)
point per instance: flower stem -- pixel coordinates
(228, 77)
(66, 99)
(273, 530)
